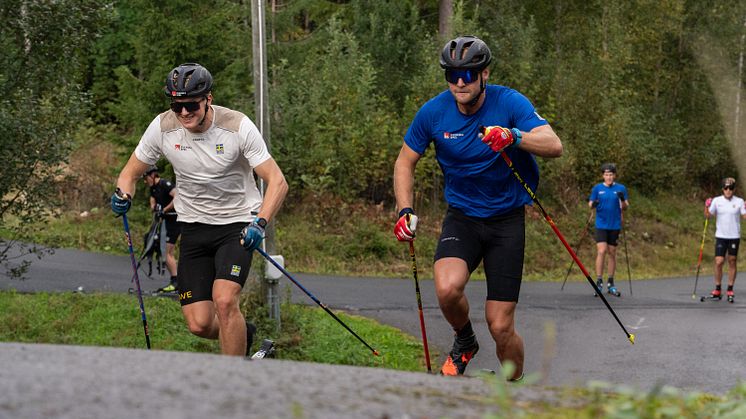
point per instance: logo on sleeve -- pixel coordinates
(235, 270)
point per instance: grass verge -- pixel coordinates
(308, 334)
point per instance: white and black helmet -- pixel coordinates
(188, 80)
(477, 56)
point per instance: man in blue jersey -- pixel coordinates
(609, 198)
(485, 217)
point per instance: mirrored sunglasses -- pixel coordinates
(189, 106)
(468, 76)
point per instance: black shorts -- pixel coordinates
(173, 230)
(610, 237)
(499, 241)
(210, 252)
(726, 246)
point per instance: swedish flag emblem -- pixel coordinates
(235, 270)
(219, 149)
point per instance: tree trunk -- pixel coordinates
(736, 128)
(445, 12)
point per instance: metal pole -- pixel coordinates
(262, 122)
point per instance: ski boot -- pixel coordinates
(459, 358)
(730, 295)
(168, 289)
(600, 286)
(250, 332)
(611, 289)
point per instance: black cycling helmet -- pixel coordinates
(608, 167)
(188, 80)
(477, 55)
(151, 169)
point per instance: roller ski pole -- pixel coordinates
(561, 238)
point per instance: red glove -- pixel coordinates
(708, 202)
(499, 138)
(406, 226)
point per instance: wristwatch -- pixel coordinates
(261, 222)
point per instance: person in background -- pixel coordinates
(162, 193)
(609, 198)
(729, 210)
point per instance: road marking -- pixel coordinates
(638, 325)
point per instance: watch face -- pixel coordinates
(262, 222)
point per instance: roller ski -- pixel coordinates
(599, 287)
(731, 296)
(715, 295)
(611, 289)
(266, 350)
(157, 293)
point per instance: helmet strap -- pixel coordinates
(206, 110)
(482, 85)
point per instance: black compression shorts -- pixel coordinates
(207, 253)
(499, 241)
(173, 230)
(726, 246)
(610, 237)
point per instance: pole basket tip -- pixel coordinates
(376, 353)
(632, 338)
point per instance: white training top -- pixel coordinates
(214, 169)
(728, 213)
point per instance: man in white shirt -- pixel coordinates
(729, 209)
(214, 152)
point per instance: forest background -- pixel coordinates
(654, 86)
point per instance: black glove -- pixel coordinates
(594, 204)
(620, 195)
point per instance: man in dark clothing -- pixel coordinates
(162, 193)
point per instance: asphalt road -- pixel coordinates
(570, 336)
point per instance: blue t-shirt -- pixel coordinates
(478, 182)
(608, 211)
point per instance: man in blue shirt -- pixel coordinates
(609, 198)
(485, 217)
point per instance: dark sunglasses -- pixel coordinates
(731, 187)
(189, 106)
(468, 76)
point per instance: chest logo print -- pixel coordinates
(219, 149)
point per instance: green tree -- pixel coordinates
(333, 133)
(42, 69)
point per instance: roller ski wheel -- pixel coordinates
(613, 291)
(731, 296)
(266, 350)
